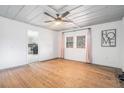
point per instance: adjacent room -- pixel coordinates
(61, 46)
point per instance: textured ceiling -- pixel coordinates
(80, 15)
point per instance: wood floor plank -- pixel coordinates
(59, 73)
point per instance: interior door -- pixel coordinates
(75, 45)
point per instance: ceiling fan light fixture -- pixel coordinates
(58, 22)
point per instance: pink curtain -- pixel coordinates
(62, 45)
(89, 47)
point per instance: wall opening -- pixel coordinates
(33, 46)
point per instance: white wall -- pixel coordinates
(108, 56)
(122, 45)
(14, 40)
(48, 46)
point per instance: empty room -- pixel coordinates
(61, 46)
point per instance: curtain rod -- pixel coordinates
(76, 30)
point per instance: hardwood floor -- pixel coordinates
(59, 73)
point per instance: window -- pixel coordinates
(80, 41)
(69, 42)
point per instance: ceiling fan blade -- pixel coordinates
(48, 21)
(65, 14)
(49, 15)
(67, 21)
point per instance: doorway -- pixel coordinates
(75, 45)
(33, 46)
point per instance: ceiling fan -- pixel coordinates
(59, 18)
